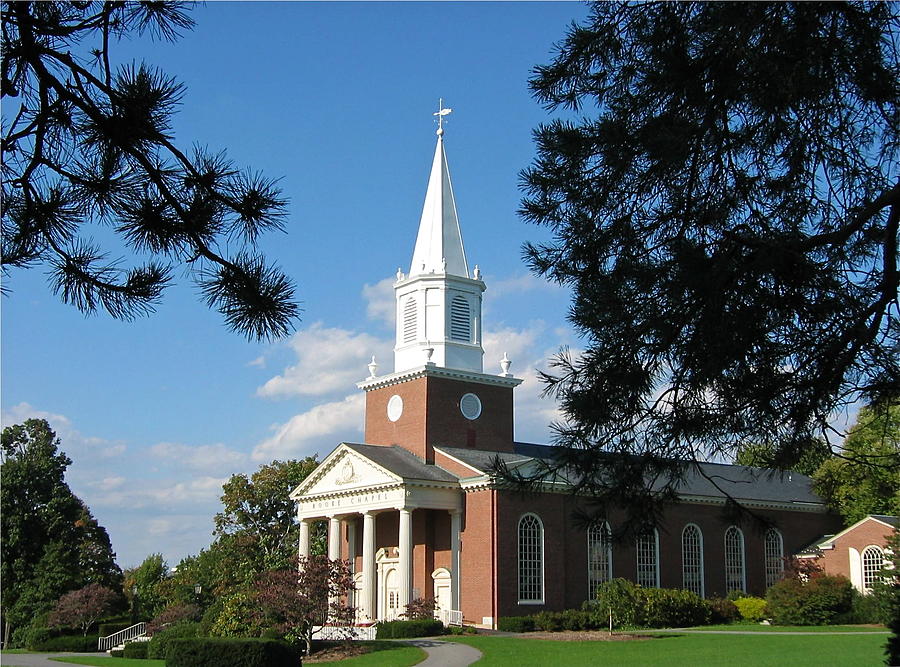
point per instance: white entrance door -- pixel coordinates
(443, 598)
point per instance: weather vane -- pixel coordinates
(441, 112)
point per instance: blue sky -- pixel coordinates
(337, 100)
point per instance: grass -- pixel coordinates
(756, 627)
(686, 649)
(384, 654)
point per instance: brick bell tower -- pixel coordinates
(438, 393)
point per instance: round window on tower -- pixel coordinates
(470, 406)
(395, 408)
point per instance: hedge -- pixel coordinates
(515, 624)
(136, 650)
(159, 642)
(76, 643)
(818, 601)
(110, 628)
(418, 627)
(234, 652)
(752, 609)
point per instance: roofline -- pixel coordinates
(873, 517)
(433, 370)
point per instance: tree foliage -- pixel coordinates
(257, 524)
(725, 209)
(294, 602)
(145, 586)
(82, 608)
(51, 544)
(865, 478)
(806, 461)
(88, 144)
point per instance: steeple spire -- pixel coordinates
(439, 246)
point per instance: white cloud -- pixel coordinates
(259, 362)
(329, 360)
(208, 458)
(317, 430)
(526, 282)
(73, 443)
(380, 300)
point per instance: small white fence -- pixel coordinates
(449, 616)
(128, 634)
(357, 633)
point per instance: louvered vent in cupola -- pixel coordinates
(409, 320)
(460, 320)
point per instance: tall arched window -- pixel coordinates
(531, 559)
(460, 320)
(599, 549)
(734, 560)
(410, 317)
(647, 547)
(872, 562)
(692, 559)
(774, 556)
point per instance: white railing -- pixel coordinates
(449, 616)
(122, 636)
(359, 633)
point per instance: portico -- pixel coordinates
(377, 500)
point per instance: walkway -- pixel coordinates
(39, 659)
(445, 654)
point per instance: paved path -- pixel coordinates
(38, 659)
(445, 654)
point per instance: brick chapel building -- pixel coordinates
(417, 512)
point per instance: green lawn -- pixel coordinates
(384, 654)
(756, 627)
(686, 649)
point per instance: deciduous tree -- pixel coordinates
(82, 608)
(50, 542)
(295, 602)
(724, 203)
(87, 143)
(865, 477)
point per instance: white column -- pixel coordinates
(334, 538)
(367, 597)
(455, 521)
(405, 558)
(303, 549)
(351, 543)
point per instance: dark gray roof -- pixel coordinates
(403, 463)
(740, 482)
(891, 520)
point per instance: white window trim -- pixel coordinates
(776, 532)
(605, 541)
(702, 564)
(862, 561)
(519, 559)
(743, 554)
(655, 557)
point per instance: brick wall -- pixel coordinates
(478, 561)
(837, 560)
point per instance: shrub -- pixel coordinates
(420, 608)
(174, 613)
(623, 599)
(116, 652)
(751, 609)
(421, 627)
(817, 601)
(673, 608)
(548, 621)
(36, 636)
(722, 611)
(136, 650)
(863, 609)
(108, 628)
(159, 643)
(76, 643)
(577, 619)
(515, 624)
(215, 652)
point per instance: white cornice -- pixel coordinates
(431, 370)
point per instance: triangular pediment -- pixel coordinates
(342, 470)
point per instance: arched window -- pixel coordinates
(692, 559)
(872, 562)
(734, 560)
(599, 549)
(460, 320)
(774, 556)
(409, 320)
(647, 547)
(531, 559)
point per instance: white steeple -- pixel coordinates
(438, 304)
(439, 239)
